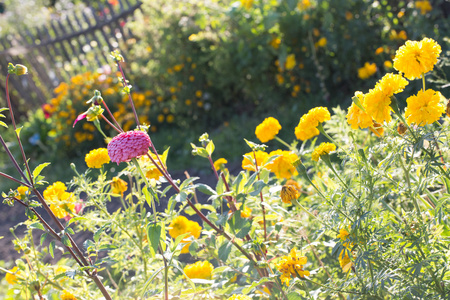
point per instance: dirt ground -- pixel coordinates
(11, 216)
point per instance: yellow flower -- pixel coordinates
(379, 50)
(199, 270)
(261, 158)
(292, 265)
(191, 78)
(240, 297)
(392, 84)
(282, 165)
(322, 149)
(288, 193)
(246, 212)
(367, 71)
(188, 102)
(348, 15)
(61, 202)
(275, 43)
(21, 190)
(343, 234)
(393, 35)
(182, 225)
(118, 186)
(198, 94)
(290, 62)
(66, 295)
(377, 105)
(322, 42)
(12, 278)
(280, 79)
(387, 64)
(307, 127)
(345, 262)
(303, 4)
(247, 3)
(170, 118)
(218, 164)
(417, 58)
(268, 129)
(424, 6)
(97, 158)
(160, 118)
(356, 117)
(425, 108)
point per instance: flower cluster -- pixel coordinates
(61, 202)
(182, 225)
(368, 70)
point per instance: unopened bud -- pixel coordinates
(17, 69)
(96, 99)
(93, 112)
(401, 128)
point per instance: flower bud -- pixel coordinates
(17, 69)
(93, 112)
(96, 99)
(401, 128)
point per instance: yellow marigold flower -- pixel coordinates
(377, 105)
(424, 6)
(191, 78)
(182, 225)
(417, 58)
(275, 43)
(343, 234)
(170, 118)
(392, 84)
(368, 70)
(288, 193)
(61, 202)
(66, 295)
(393, 35)
(160, 118)
(199, 270)
(153, 173)
(240, 297)
(303, 4)
(345, 262)
(307, 127)
(282, 165)
(387, 64)
(322, 42)
(322, 149)
(218, 164)
(247, 3)
(172, 89)
(261, 158)
(97, 158)
(246, 212)
(198, 93)
(118, 186)
(268, 129)
(356, 117)
(12, 278)
(280, 78)
(425, 108)
(290, 62)
(292, 265)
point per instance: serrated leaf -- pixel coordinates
(37, 225)
(65, 240)
(224, 251)
(51, 249)
(39, 168)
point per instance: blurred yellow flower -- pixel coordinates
(424, 6)
(322, 149)
(387, 64)
(368, 70)
(219, 163)
(417, 58)
(21, 190)
(348, 15)
(198, 93)
(66, 295)
(61, 202)
(160, 118)
(303, 4)
(344, 261)
(424, 108)
(97, 158)
(393, 35)
(12, 278)
(290, 62)
(247, 4)
(191, 78)
(322, 42)
(275, 42)
(268, 129)
(280, 78)
(379, 50)
(199, 270)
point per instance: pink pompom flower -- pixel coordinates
(128, 145)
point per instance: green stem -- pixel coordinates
(284, 143)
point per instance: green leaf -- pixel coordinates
(97, 233)
(244, 230)
(39, 168)
(51, 249)
(65, 240)
(37, 225)
(248, 289)
(259, 185)
(187, 182)
(205, 189)
(224, 251)
(178, 239)
(294, 296)
(3, 124)
(154, 235)
(69, 230)
(43, 237)
(210, 148)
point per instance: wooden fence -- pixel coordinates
(71, 43)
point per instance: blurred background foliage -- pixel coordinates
(223, 66)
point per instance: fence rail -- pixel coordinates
(73, 42)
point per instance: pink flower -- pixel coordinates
(128, 145)
(78, 210)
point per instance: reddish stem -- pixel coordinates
(110, 124)
(118, 128)
(129, 94)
